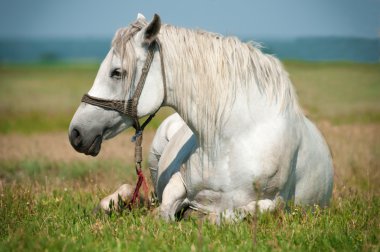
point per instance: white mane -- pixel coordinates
(211, 69)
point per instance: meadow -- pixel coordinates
(48, 191)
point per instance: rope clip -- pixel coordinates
(134, 137)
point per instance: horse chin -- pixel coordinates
(111, 132)
(95, 147)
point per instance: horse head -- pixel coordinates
(125, 79)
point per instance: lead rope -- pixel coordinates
(138, 137)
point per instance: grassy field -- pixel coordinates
(48, 191)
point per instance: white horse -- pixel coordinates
(254, 145)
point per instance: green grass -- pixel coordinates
(49, 206)
(35, 219)
(338, 92)
(37, 170)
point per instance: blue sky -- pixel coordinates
(256, 19)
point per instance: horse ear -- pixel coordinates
(152, 29)
(140, 16)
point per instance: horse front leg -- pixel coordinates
(173, 197)
(113, 201)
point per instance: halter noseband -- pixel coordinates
(129, 108)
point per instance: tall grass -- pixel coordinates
(36, 219)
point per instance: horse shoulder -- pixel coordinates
(314, 167)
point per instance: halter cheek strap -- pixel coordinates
(129, 108)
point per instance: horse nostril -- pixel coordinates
(76, 138)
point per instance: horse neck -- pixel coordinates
(194, 116)
(201, 108)
(206, 74)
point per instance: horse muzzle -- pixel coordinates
(87, 146)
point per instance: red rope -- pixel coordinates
(141, 181)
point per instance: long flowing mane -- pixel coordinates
(211, 69)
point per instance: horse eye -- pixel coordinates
(117, 74)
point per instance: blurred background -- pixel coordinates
(50, 52)
(72, 30)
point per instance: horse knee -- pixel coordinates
(173, 197)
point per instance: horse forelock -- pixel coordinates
(123, 47)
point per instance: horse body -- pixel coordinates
(284, 158)
(248, 143)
